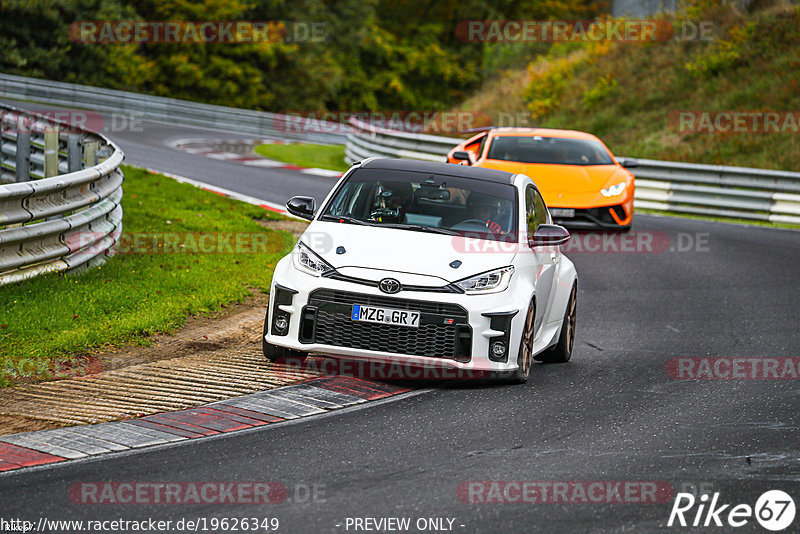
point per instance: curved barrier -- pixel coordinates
(59, 209)
(718, 191)
(665, 186)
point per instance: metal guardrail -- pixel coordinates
(367, 140)
(665, 186)
(59, 208)
(718, 191)
(157, 108)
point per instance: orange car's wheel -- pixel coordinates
(562, 351)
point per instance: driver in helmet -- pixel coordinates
(486, 210)
(396, 198)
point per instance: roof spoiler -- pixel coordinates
(486, 128)
(481, 129)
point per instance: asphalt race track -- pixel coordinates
(613, 413)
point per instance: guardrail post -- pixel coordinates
(90, 154)
(51, 152)
(103, 153)
(74, 152)
(23, 157)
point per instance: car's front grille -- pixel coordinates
(335, 275)
(441, 325)
(597, 216)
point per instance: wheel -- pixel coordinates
(525, 355)
(562, 351)
(274, 353)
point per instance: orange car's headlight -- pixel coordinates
(613, 190)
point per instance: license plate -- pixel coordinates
(562, 212)
(371, 314)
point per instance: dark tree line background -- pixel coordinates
(378, 55)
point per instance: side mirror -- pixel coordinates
(301, 206)
(628, 163)
(463, 155)
(549, 235)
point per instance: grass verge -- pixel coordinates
(306, 155)
(151, 286)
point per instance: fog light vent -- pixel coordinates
(498, 346)
(498, 349)
(281, 323)
(280, 319)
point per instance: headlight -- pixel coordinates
(306, 260)
(613, 190)
(488, 282)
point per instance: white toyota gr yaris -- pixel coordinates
(428, 264)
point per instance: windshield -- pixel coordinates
(552, 150)
(425, 202)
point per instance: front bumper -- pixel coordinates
(456, 330)
(610, 217)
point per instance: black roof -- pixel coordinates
(447, 169)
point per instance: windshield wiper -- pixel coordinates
(345, 218)
(420, 228)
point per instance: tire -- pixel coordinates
(525, 354)
(562, 351)
(274, 353)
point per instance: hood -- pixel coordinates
(565, 178)
(383, 250)
(570, 178)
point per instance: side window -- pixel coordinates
(541, 210)
(480, 148)
(530, 210)
(476, 147)
(535, 210)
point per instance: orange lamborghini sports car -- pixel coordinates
(580, 179)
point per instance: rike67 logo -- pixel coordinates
(774, 511)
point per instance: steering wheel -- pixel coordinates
(386, 213)
(470, 225)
